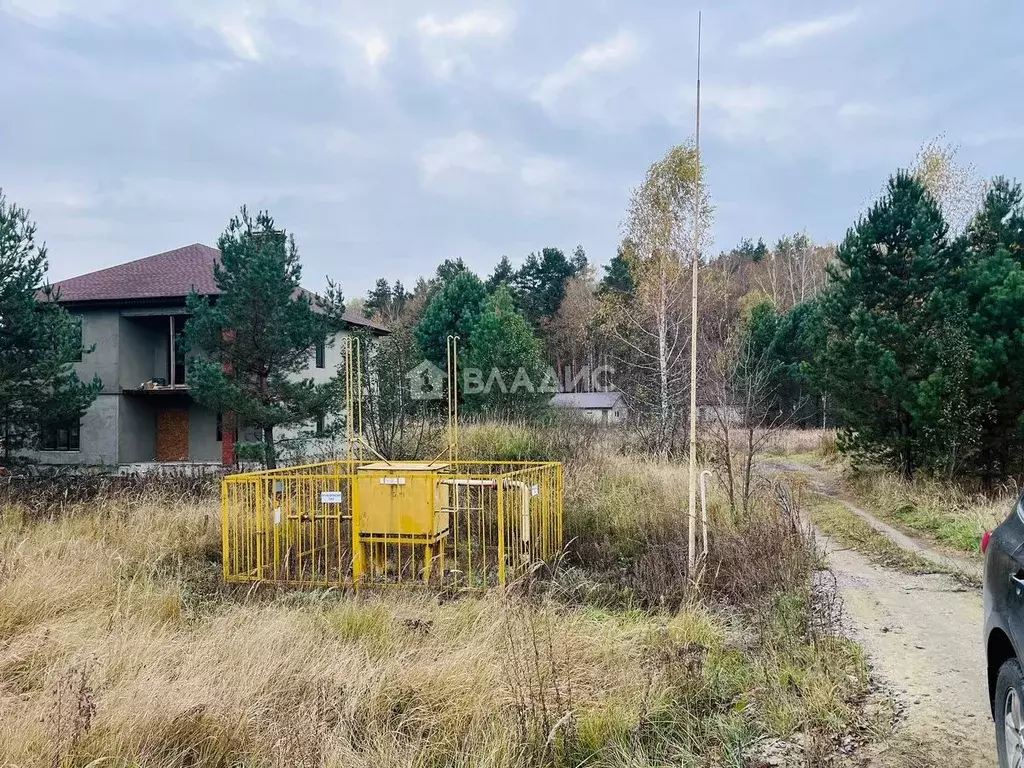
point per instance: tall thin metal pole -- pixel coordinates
(692, 538)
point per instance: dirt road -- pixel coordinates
(922, 634)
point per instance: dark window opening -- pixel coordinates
(220, 427)
(178, 324)
(65, 436)
(319, 424)
(321, 354)
(78, 339)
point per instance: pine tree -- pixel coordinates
(449, 268)
(504, 371)
(39, 341)
(579, 262)
(378, 300)
(539, 285)
(454, 310)
(501, 275)
(386, 302)
(883, 316)
(618, 275)
(260, 333)
(994, 289)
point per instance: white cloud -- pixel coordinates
(764, 114)
(464, 152)
(790, 36)
(600, 57)
(544, 171)
(375, 49)
(474, 24)
(994, 135)
(745, 101)
(609, 53)
(469, 166)
(855, 110)
(238, 35)
(47, 11)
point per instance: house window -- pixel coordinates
(77, 339)
(220, 427)
(321, 355)
(64, 436)
(319, 425)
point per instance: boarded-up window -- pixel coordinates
(172, 435)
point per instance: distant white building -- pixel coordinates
(600, 407)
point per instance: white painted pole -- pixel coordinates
(691, 541)
(704, 508)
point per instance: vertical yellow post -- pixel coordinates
(259, 528)
(501, 533)
(357, 546)
(558, 485)
(428, 554)
(225, 549)
(440, 558)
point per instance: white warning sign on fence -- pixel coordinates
(331, 497)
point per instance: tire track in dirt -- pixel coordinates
(922, 635)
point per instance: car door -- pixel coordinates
(1004, 575)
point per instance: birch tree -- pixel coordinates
(654, 331)
(956, 187)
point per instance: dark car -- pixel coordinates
(1004, 633)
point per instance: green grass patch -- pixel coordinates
(834, 519)
(946, 512)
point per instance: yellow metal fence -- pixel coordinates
(345, 523)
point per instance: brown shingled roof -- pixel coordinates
(168, 275)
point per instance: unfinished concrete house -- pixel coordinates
(133, 314)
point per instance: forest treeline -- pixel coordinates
(908, 336)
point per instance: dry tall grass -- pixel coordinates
(119, 646)
(953, 513)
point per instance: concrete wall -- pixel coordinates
(203, 444)
(122, 429)
(334, 356)
(100, 327)
(142, 353)
(99, 427)
(136, 430)
(98, 437)
(298, 444)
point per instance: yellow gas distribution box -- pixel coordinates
(403, 501)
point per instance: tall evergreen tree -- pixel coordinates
(386, 302)
(39, 343)
(539, 284)
(994, 290)
(502, 275)
(378, 298)
(449, 268)
(579, 261)
(253, 341)
(454, 310)
(882, 315)
(618, 275)
(504, 359)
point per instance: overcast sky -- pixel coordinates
(390, 134)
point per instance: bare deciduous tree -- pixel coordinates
(745, 411)
(573, 333)
(652, 330)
